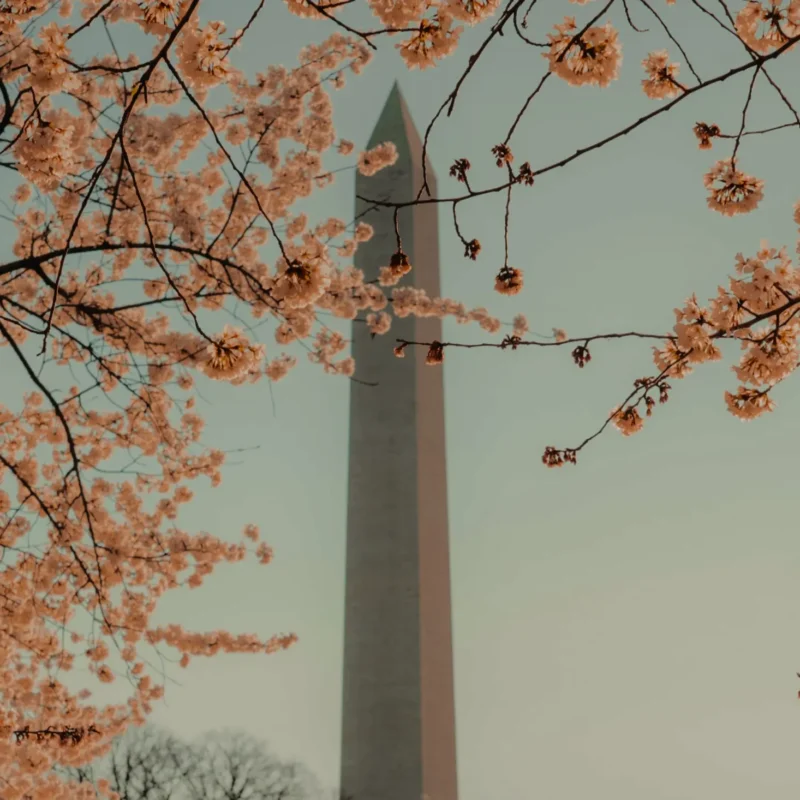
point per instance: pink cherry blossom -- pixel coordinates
(732, 191)
(381, 156)
(765, 26)
(661, 81)
(594, 58)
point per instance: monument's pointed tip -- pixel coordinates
(397, 93)
(391, 118)
(395, 96)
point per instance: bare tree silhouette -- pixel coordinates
(145, 764)
(235, 766)
(152, 764)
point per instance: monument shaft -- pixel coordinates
(398, 718)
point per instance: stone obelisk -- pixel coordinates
(398, 716)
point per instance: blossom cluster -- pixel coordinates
(130, 232)
(128, 236)
(759, 310)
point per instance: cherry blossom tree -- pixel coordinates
(156, 191)
(759, 307)
(101, 451)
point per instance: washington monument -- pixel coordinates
(398, 717)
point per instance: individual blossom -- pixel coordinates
(98, 652)
(23, 193)
(731, 191)
(346, 367)
(705, 133)
(105, 674)
(508, 281)
(553, 457)
(159, 373)
(627, 422)
(278, 368)
(347, 248)
(435, 354)
(471, 249)
(297, 226)
(264, 553)
(301, 282)
(502, 154)
(297, 325)
(364, 232)
(331, 228)
(525, 175)
(231, 355)
(434, 39)
(594, 58)
(519, 326)
(560, 335)
(236, 134)
(379, 323)
(661, 81)
(459, 169)
(748, 404)
(399, 265)
(156, 288)
(581, 356)
(345, 147)
(388, 277)
(376, 159)
(766, 26)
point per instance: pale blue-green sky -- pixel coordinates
(626, 628)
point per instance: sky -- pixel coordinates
(625, 628)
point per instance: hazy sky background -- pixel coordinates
(624, 629)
